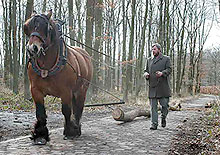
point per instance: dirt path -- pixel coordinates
(103, 135)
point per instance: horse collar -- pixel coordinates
(60, 62)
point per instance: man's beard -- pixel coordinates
(156, 54)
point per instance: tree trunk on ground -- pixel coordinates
(119, 115)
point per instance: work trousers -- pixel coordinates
(154, 111)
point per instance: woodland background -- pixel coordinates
(124, 31)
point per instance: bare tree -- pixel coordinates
(141, 52)
(29, 10)
(6, 43)
(15, 48)
(71, 17)
(130, 54)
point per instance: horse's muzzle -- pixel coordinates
(35, 50)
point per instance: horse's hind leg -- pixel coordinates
(77, 111)
(40, 135)
(69, 127)
(78, 105)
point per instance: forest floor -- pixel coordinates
(193, 130)
(201, 134)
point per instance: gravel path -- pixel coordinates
(103, 135)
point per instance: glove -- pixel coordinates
(146, 75)
(159, 74)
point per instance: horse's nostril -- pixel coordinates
(35, 48)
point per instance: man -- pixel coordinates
(157, 72)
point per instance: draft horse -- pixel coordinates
(57, 70)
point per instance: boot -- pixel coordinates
(153, 127)
(163, 122)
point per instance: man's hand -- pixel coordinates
(146, 75)
(159, 74)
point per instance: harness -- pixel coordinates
(60, 62)
(61, 58)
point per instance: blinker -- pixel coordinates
(37, 35)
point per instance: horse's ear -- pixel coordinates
(33, 13)
(26, 31)
(49, 14)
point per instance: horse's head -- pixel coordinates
(41, 31)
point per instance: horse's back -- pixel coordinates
(80, 61)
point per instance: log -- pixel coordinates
(119, 115)
(176, 107)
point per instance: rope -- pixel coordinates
(95, 85)
(94, 59)
(97, 51)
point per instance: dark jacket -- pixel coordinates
(159, 87)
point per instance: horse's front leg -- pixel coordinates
(40, 135)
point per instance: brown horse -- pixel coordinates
(56, 70)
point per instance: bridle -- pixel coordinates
(44, 46)
(62, 54)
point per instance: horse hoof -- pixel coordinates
(40, 141)
(68, 137)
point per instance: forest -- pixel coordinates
(118, 35)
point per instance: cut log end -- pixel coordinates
(118, 114)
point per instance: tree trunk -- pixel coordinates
(119, 115)
(10, 47)
(15, 49)
(55, 9)
(98, 33)
(160, 26)
(168, 28)
(78, 7)
(141, 53)
(124, 22)
(44, 6)
(60, 9)
(29, 9)
(71, 17)
(6, 44)
(149, 29)
(89, 32)
(130, 54)
(89, 25)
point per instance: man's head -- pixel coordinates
(156, 49)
